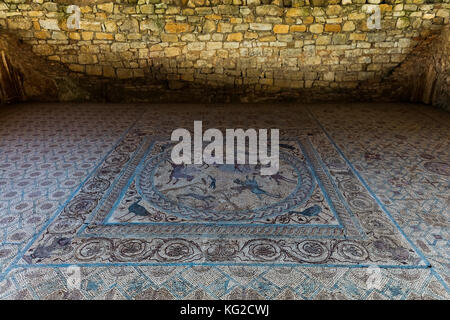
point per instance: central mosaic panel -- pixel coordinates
(220, 192)
(227, 194)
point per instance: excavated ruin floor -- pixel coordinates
(398, 156)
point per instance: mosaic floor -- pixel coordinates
(358, 209)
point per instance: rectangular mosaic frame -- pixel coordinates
(98, 225)
(80, 243)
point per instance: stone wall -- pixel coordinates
(250, 50)
(41, 80)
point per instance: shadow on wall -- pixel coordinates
(422, 77)
(28, 77)
(425, 74)
(10, 81)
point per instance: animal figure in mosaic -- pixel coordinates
(309, 212)
(291, 149)
(43, 251)
(179, 171)
(287, 146)
(277, 177)
(205, 199)
(137, 209)
(253, 186)
(212, 184)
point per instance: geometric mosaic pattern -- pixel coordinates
(389, 160)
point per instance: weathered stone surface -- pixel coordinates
(402, 23)
(228, 10)
(348, 26)
(281, 28)
(316, 28)
(177, 27)
(269, 10)
(107, 7)
(333, 27)
(150, 24)
(298, 28)
(238, 36)
(261, 26)
(87, 59)
(148, 9)
(172, 51)
(49, 24)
